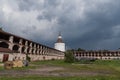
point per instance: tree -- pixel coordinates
(79, 49)
(28, 58)
(69, 57)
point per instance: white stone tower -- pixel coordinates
(60, 45)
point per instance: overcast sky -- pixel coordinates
(88, 24)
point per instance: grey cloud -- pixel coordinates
(83, 23)
(28, 5)
(100, 21)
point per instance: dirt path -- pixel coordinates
(48, 71)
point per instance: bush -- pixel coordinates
(69, 57)
(52, 59)
(28, 58)
(86, 60)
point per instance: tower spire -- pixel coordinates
(59, 33)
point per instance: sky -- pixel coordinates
(87, 24)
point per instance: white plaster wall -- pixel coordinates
(33, 57)
(1, 57)
(19, 56)
(10, 57)
(60, 46)
(47, 57)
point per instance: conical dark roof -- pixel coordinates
(59, 40)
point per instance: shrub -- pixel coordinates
(52, 59)
(28, 58)
(69, 57)
(86, 60)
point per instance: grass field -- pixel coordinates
(59, 70)
(60, 78)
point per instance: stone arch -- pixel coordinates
(32, 51)
(4, 44)
(23, 49)
(15, 47)
(28, 50)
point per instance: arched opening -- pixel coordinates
(28, 50)
(32, 51)
(15, 47)
(16, 40)
(4, 45)
(4, 36)
(23, 49)
(5, 57)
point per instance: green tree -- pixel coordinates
(69, 57)
(80, 49)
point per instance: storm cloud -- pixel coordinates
(88, 24)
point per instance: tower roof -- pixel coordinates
(59, 40)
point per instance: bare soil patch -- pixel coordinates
(49, 71)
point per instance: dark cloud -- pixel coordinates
(27, 5)
(98, 28)
(83, 23)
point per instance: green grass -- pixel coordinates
(112, 64)
(1, 67)
(110, 70)
(102, 66)
(108, 62)
(51, 62)
(60, 78)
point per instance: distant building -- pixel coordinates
(103, 55)
(60, 45)
(15, 47)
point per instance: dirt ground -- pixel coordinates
(48, 71)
